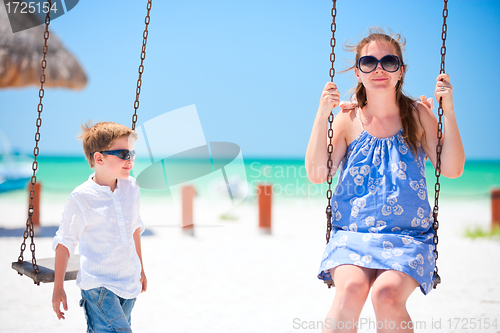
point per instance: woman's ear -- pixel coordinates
(357, 73)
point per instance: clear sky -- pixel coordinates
(255, 69)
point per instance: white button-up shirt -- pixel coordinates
(103, 223)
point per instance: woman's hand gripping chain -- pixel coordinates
(444, 90)
(329, 98)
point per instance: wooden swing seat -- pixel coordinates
(46, 269)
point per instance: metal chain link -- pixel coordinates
(29, 222)
(439, 147)
(330, 129)
(141, 66)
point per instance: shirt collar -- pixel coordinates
(101, 188)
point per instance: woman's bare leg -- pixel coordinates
(390, 291)
(352, 285)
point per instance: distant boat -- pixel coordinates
(15, 169)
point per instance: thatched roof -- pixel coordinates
(21, 56)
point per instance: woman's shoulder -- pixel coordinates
(348, 122)
(346, 115)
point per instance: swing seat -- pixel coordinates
(329, 283)
(46, 269)
(437, 280)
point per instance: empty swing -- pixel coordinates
(439, 147)
(43, 269)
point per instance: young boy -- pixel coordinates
(102, 215)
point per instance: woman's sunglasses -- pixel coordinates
(389, 63)
(123, 154)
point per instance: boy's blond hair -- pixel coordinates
(101, 136)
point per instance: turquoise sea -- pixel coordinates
(60, 175)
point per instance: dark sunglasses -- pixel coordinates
(390, 63)
(123, 154)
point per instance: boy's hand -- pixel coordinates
(59, 296)
(428, 102)
(348, 106)
(144, 281)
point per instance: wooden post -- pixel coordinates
(36, 206)
(495, 208)
(188, 192)
(265, 195)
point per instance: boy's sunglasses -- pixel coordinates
(123, 154)
(390, 63)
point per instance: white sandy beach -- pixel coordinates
(231, 278)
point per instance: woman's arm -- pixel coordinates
(452, 155)
(317, 150)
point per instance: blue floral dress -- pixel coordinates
(381, 214)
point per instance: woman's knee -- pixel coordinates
(353, 290)
(387, 296)
(352, 283)
(392, 289)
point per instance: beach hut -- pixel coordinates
(21, 54)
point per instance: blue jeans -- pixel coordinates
(106, 312)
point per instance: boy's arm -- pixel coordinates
(137, 240)
(58, 296)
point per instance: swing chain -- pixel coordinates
(439, 146)
(29, 222)
(141, 66)
(333, 42)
